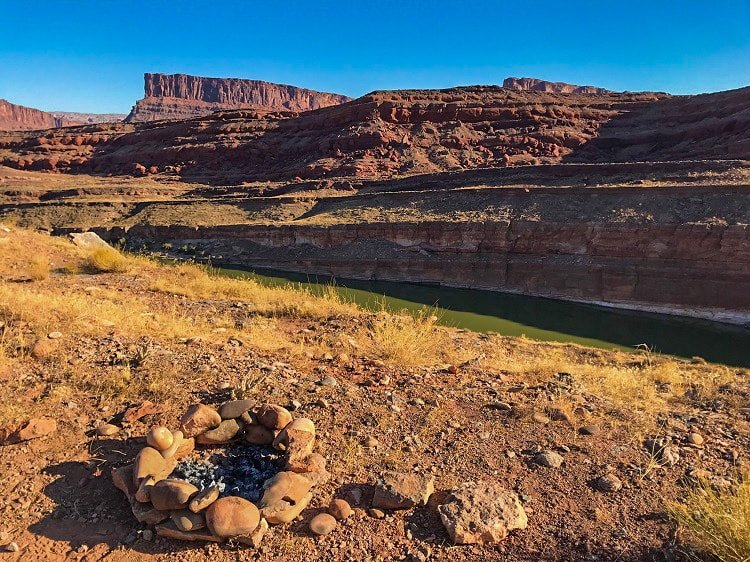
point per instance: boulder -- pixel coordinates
(235, 408)
(172, 494)
(149, 462)
(199, 418)
(285, 496)
(231, 516)
(224, 433)
(88, 241)
(322, 524)
(396, 490)
(482, 513)
(273, 416)
(340, 509)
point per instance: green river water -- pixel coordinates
(537, 318)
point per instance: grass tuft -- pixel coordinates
(107, 260)
(407, 338)
(718, 523)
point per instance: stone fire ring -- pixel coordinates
(179, 510)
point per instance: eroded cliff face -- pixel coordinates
(15, 117)
(537, 85)
(181, 96)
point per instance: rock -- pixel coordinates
(12, 547)
(55, 335)
(371, 442)
(231, 516)
(538, 417)
(482, 513)
(107, 430)
(313, 467)
(259, 435)
(322, 524)
(184, 449)
(160, 438)
(297, 439)
(143, 494)
(550, 459)
(177, 440)
(171, 531)
(558, 414)
(376, 513)
(148, 535)
(255, 538)
(235, 408)
(224, 433)
(608, 483)
(172, 494)
(187, 520)
(273, 416)
(588, 429)
(329, 382)
(695, 439)
(145, 513)
(36, 428)
(146, 408)
(285, 496)
(123, 480)
(340, 509)
(203, 499)
(88, 241)
(395, 490)
(199, 418)
(149, 462)
(663, 451)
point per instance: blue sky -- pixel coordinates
(90, 55)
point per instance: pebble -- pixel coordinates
(540, 418)
(148, 535)
(588, 429)
(294, 405)
(54, 335)
(608, 483)
(550, 459)
(329, 381)
(107, 429)
(376, 513)
(340, 509)
(695, 439)
(322, 524)
(370, 442)
(12, 547)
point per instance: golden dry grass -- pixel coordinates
(717, 523)
(108, 260)
(39, 268)
(409, 339)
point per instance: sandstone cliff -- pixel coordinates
(181, 96)
(537, 85)
(20, 118)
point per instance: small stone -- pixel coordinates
(538, 417)
(588, 429)
(231, 516)
(186, 520)
(235, 408)
(376, 513)
(273, 416)
(695, 439)
(550, 459)
(558, 414)
(148, 535)
(160, 438)
(294, 405)
(12, 547)
(608, 483)
(36, 428)
(329, 382)
(177, 439)
(172, 494)
(224, 433)
(204, 498)
(370, 442)
(198, 419)
(322, 524)
(395, 490)
(340, 509)
(107, 429)
(146, 408)
(54, 335)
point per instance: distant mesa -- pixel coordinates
(15, 117)
(181, 96)
(537, 85)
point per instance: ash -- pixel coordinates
(238, 470)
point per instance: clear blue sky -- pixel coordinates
(90, 55)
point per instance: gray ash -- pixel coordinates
(238, 470)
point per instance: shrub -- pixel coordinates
(107, 260)
(407, 339)
(39, 269)
(718, 523)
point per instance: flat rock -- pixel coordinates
(146, 408)
(231, 516)
(285, 496)
(107, 430)
(402, 490)
(203, 499)
(235, 408)
(36, 428)
(224, 433)
(171, 531)
(172, 494)
(482, 513)
(199, 418)
(145, 513)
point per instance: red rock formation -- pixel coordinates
(20, 118)
(537, 85)
(180, 96)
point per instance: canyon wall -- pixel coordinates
(20, 118)
(693, 269)
(537, 85)
(181, 96)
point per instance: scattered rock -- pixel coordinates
(340, 509)
(538, 417)
(608, 483)
(231, 516)
(33, 429)
(199, 418)
(370, 442)
(322, 524)
(482, 513)
(160, 438)
(550, 459)
(329, 382)
(695, 439)
(146, 408)
(376, 513)
(273, 416)
(107, 430)
(172, 494)
(12, 547)
(395, 490)
(55, 335)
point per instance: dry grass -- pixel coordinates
(39, 268)
(408, 339)
(108, 260)
(718, 523)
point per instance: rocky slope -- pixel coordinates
(77, 118)
(181, 96)
(537, 85)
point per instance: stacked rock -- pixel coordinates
(181, 511)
